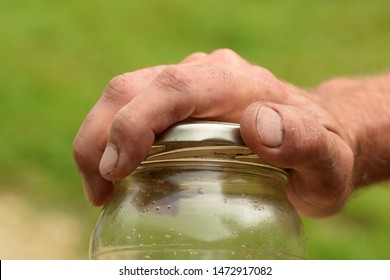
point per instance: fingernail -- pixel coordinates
(109, 160)
(269, 127)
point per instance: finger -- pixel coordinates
(320, 161)
(222, 56)
(178, 92)
(194, 57)
(91, 139)
(227, 56)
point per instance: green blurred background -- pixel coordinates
(57, 56)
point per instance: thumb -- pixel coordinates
(319, 161)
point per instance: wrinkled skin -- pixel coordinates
(287, 126)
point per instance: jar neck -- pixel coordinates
(235, 158)
(228, 177)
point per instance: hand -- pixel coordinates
(283, 124)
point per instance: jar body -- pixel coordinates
(199, 211)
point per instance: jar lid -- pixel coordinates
(202, 131)
(204, 141)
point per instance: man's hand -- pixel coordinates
(284, 125)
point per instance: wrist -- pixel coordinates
(360, 106)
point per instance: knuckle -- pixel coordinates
(119, 89)
(316, 146)
(303, 142)
(121, 124)
(264, 76)
(195, 55)
(175, 79)
(198, 54)
(76, 149)
(267, 83)
(227, 56)
(225, 52)
(79, 152)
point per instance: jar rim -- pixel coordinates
(240, 166)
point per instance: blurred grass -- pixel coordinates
(57, 56)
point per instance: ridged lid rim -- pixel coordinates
(202, 131)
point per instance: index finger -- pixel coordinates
(91, 139)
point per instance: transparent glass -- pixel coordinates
(191, 210)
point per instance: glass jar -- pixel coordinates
(200, 194)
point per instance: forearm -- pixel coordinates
(362, 108)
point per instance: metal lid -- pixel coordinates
(204, 141)
(202, 131)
